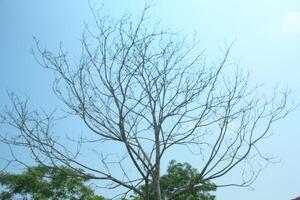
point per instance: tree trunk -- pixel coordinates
(156, 174)
(146, 192)
(156, 186)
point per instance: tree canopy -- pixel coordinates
(179, 175)
(41, 183)
(144, 91)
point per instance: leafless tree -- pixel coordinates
(146, 90)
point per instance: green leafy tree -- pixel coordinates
(180, 175)
(41, 183)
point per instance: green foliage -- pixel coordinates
(179, 175)
(41, 183)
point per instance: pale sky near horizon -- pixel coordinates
(267, 43)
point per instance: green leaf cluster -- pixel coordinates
(41, 183)
(178, 176)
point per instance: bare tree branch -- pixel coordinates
(146, 91)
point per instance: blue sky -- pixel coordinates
(267, 35)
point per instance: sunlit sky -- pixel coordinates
(267, 44)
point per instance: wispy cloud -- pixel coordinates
(291, 23)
